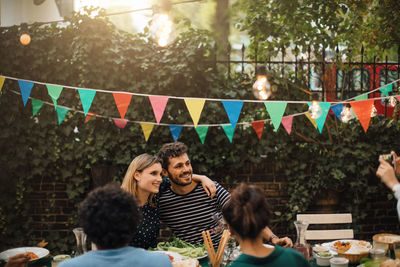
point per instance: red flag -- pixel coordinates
(120, 123)
(258, 127)
(287, 123)
(363, 110)
(122, 100)
(89, 115)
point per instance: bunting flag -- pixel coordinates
(287, 123)
(320, 121)
(229, 130)
(363, 111)
(158, 103)
(258, 127)
(89, 115)
(337, 109)
(2, 79)
(398, 98)
(386, 89)
(121, 123)
(122, 101)
(175, 131)
(361, 97)
(54, 92)
(311, 120)
(276, 110)
(147, 128)
(86, 99)
(61, 112)
(26, 88)
(36, 105)
(233, 109)
(202, 132)
(195, 106)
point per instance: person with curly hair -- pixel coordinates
(109, 216)
(247, 214)
(143, 181)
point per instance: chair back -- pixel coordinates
(321, 219)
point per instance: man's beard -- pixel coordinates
(179, 181)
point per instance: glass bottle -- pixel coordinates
(80, 241)
(301, 243)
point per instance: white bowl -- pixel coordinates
(323, 261)
(318, 249)
(339, 262)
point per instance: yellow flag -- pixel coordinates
(147, 128)
(195, 106)
(2, 78)
(312, 120)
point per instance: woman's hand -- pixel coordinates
(386, 173)
(207, 183)
(283, 242)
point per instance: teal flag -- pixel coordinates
(86, 99)
(320, 121)
(229, 130)
(36, 105)
(54, 92)
(175, 131)
(276, 111)
(361, 97)
(202, 132)
(386, 89)
(233, 109)
(61, 112)
(26, 88)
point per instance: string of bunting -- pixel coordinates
(361, 106)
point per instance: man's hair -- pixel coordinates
(171, 150)
(109, 216)
(247, 211)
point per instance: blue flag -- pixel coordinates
(26, 88)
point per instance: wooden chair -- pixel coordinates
(340, 218)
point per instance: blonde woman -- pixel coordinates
(143, 180)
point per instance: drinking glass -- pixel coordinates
(396, 248)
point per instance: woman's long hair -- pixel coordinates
(138, 164)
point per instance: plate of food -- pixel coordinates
(173, 256)
(35, 253)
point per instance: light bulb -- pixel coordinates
(262, 88)
(392, 101)
(315, 110)
(25, 39)
(345, 115)
(162, 29)
(374, 112)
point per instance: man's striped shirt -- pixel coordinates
(188, 215)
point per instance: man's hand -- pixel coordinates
(386, 173)
(19, 260)
(283, 242)
(207, 183)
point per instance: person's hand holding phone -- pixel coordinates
(396, 161)
(386, 173)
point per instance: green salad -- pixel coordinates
(183, 248)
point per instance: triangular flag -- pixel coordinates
(398, 98)
(2, 79)
(233, 109)
(86, 99)
(158, 103)
(361, 97)
(121, 123)
(386, 89)
(26, 88)
(54, 92)
(276, 110)
(312, 120)
(363, 111)
(337, 109)
(175, 131)
(36, 105)
(258, 127)
(320, 121)
(61, 112)
(89, 115)
(146, 128)
(202, 132)
(287, 123)
(122, 100)
(229, 130)
(195, 106)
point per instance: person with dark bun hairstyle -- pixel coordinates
(110, 217)
(247, 214)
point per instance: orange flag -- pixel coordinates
(122, 100)
(363, 110)
(258, 127)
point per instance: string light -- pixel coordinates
(262, 87)
(315, 110)
(374, 112)
(346, 114)
(25, 39)
(162, 27)
(392, 101)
